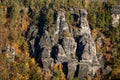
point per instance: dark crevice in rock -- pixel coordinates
(79, 50)
(54, 53)
(55, 17)
(33, 36)
(75, 16)
(36, 47)
(77, 71)
(65, 68)
(42, 21)
(39, 58)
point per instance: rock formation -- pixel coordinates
(86, 50)
(78, 56)
(11, 53)
(115, 20)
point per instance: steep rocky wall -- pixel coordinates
(77, 52)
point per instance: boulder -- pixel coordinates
(115, 20)
(11, 53)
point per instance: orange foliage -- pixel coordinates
(5, 31)
(1, 6)
(59, 67)
(62, 74)
(24, 25)
(86, 3)
(16, 46)
(109, 48)
(107, 57)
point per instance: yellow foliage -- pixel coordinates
(47, 75)
(86, 3)
(98, 48)
(27, 65)
(39, 70)
(33, 61)
(1, 6)
(55, 66)
(94, 33)
(116, 72)
(59, 68)
(24, 25)
(62, 74)
(16, 47)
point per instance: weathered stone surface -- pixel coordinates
(11, 53)
(47, 63)
(99, 41)
(83, 22)
(108, 70)
(61, 54)
(83, 71)
(32, 38)
(45, 53)
(100, 58)
(72, 66)
(69, 45)
(61, 23)
(115, 20)
(86, 49)
(64, 50)
(32, 32)
(45, 40)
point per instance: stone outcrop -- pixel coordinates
(115, 20)
(61, 24)
(77, 56)
(69, 45)
(86, 49)
(11, 53)
(31, 36)
(83, 22)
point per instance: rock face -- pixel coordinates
(69, 45)
(83, 22)
(86, 49)
(115, 20)
(61, 24)
(77, 55)
(31, 36)
(11, 53)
